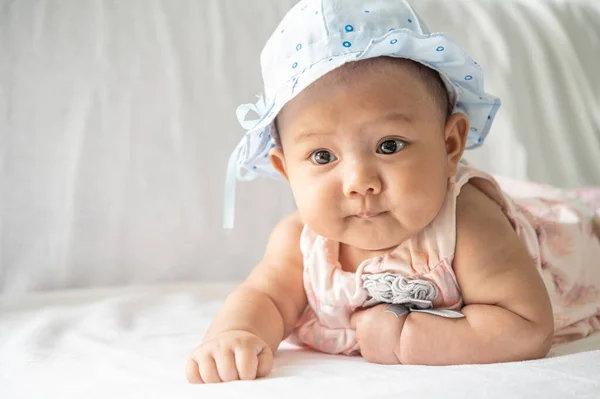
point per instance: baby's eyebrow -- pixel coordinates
(394, 116)
(304, 136)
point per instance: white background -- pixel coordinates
(117, 119)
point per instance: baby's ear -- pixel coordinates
(457, 130)
(278, 161)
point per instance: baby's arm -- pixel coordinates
(508, 311)
(263, 310)
(270, 301)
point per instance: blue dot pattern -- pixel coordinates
(330, 33)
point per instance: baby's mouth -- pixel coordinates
(368, 215)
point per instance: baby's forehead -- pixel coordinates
(352, 71)
(311, 121)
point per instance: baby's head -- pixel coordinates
(368, 150)
(366, 115)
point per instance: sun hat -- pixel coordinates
(316, 37)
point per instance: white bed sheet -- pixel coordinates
(133, 343)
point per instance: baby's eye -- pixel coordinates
(322, 157)
(390, 146)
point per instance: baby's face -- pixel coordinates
(368, 157)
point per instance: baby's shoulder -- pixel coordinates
(292, 224)
(475, 205)
(284, 241)
(483, 230)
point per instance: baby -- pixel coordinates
(400, 251)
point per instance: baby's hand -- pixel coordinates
(378, 333)
(230, 356)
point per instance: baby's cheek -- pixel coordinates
(315, 194)
(321, 212)
(421, 198)
(318, 208)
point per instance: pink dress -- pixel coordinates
(555, 225)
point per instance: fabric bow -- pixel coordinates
(259, 108)
(238, 156)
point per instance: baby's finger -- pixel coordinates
(208, 370)
(192, 373)
(265, 362)
(226, 365)
(246, 361)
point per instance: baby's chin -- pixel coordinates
(374, 233)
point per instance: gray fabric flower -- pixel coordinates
(395, 289)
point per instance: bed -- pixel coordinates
(133, 342)
(116, 122)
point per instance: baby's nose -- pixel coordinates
(361, 179)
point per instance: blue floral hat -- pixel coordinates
(318, 36)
